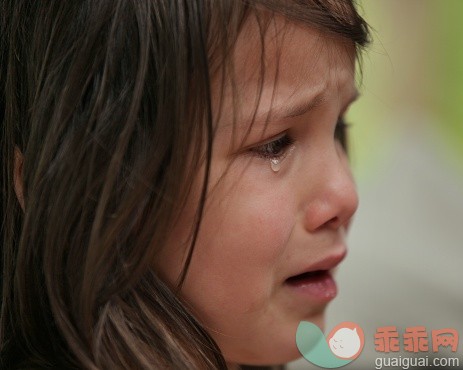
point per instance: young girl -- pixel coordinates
(175, 185)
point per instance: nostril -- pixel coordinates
(334, 222)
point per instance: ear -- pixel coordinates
(18, 176)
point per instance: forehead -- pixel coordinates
(277, 61)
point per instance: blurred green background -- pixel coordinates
(413, 67)
(405, 260)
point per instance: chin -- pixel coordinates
(318, 320)
(281, 352)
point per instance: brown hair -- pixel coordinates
(104, 99)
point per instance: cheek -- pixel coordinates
(239, 250)
(233, 284)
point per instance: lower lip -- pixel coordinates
(321, 287)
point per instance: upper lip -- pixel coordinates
(326, 263)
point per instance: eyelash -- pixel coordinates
(340, 132)
(276, 149)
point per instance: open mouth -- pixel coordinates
(318, 285)
(307, 277)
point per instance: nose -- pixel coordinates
(332, 198)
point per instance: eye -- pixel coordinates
(275, 149)
(340, 132)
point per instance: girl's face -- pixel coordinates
(280, 198)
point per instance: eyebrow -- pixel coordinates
(296, 110)
(300, 108)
